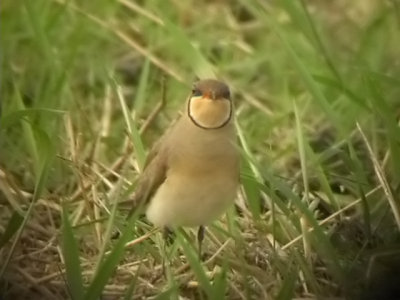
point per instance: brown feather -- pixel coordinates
(154, 174)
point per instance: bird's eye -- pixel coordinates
(196, 92)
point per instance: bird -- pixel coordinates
(191, 175)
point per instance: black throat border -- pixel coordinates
(210, 128)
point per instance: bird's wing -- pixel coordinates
(154, 174)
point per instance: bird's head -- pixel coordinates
(210, 105)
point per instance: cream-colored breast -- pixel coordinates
(202, 177)
(185, 201)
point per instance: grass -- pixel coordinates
(86, 88)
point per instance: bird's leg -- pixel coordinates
(200, 238)
(168, 237)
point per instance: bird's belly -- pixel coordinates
(184, 201)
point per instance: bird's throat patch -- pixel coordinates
(209, 114)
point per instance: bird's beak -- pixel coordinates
(210, 95)
(213, 95)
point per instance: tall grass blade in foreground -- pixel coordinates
(71, 258)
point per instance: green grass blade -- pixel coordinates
(307, 78)
(14, 117)
(288, 286)
(47, 154)
(192, 55)
(29, 137)
(70, 250)
(343, 89)
(289, 45)
(318, 238)
(361, 181)
(142, 87)
(220, 283)
(110, 263)
(302, 151)
(132, 129)
(250, 176)
(388, 117)
(299, 11)
(133, 283)
(12, 227)
(110, 226)
(195, 263)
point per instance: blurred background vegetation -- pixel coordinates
(87, 87)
